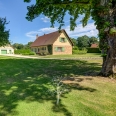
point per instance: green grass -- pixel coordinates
(24, 84)
(90, 55)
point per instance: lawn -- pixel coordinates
(24, 84)
(89, 55)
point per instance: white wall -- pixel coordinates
(8, 49)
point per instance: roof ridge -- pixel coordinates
(51, 33)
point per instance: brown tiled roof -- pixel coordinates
(94, 45)
(48, 39)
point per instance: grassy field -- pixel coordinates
(24, 84)
(92, 55)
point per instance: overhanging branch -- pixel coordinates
(70, 2)
(64, 3)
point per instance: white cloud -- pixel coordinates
(48, 30)
(89, 30)
(45, 19)
(32, 34)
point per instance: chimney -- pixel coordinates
(37, 36)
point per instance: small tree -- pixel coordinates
(4, 34)
(58, 88)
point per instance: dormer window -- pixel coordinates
(62, 39)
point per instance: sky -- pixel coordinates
(24, 31)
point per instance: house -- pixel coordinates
(55, 43)
(94, 45)
(6, 50)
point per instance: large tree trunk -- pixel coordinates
(107, 28)
(109, 61)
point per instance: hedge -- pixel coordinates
(93, 50)
(79, 51)
(24, 52)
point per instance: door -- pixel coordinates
(3, 51)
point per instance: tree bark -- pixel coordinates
(108, 40)
(109, 61)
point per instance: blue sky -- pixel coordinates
(23, 31)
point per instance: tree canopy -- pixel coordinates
(93, 40)
(4, 34)
(83, 42)
(103, 12)
(18, 46)
(74, 41)
(22, 46)
(57, 9)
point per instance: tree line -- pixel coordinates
(80, 42)
(18, 46)
(84, 41)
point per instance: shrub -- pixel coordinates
(45, 53)
(24, 52)
(32, 53)
(84, 51)
(75, 48)
(93, 50)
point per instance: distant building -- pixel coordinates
(6, 50)
(53, 43)
(94, 46)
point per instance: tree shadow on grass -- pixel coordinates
(79, 87)
(29, 79)
(27, 90)
(61, 109)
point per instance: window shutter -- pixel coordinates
(65, 39)
(63, 49)
(60, 39)
(55, 49)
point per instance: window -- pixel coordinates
(62, 39)
(59, 49)
(42, 48)
(38, 49)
